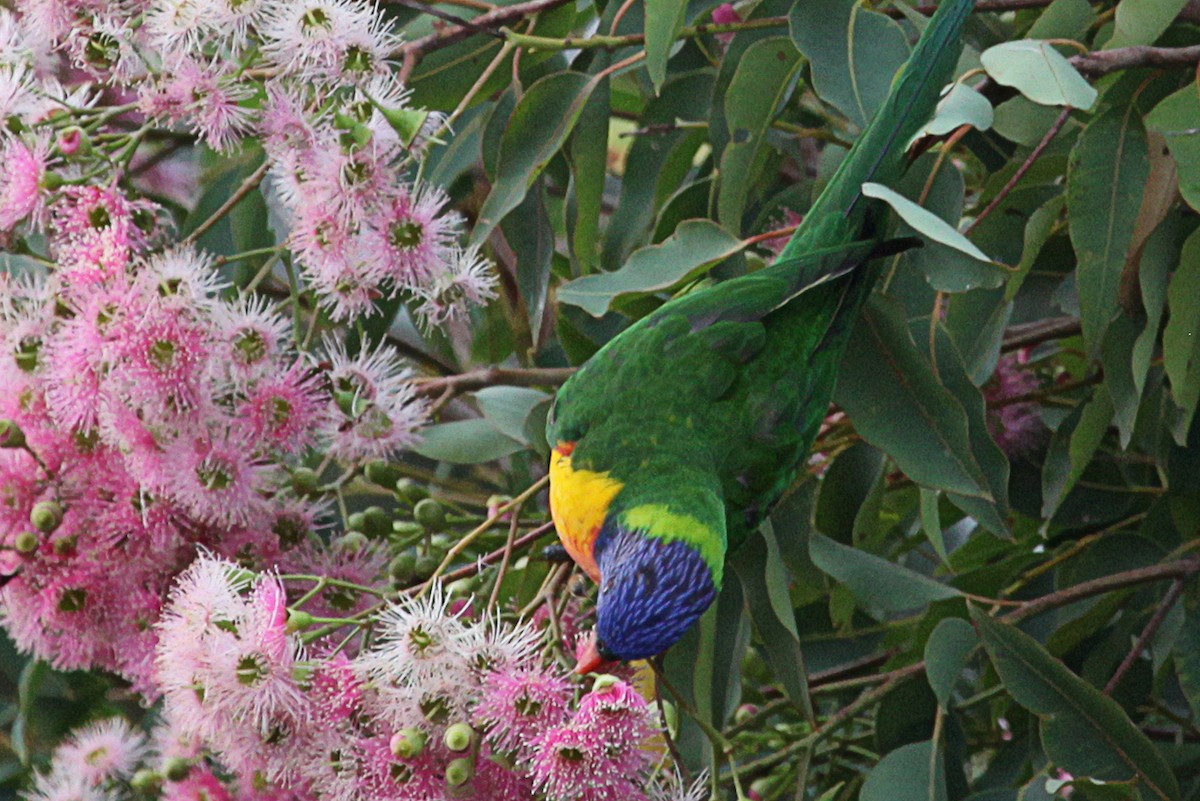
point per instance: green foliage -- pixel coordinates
(1013, 441)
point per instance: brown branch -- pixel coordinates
(1039, 331)
(1034, 155)
(249, 185)
(1103, 62)
(1179, 569)
(506, 15)
(493, 376)
(1143, 640)
(479, 564)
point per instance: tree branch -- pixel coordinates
(1039, 331)
(506, 15)
(493, 376)
(1103, 62)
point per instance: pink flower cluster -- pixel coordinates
(145, 414)
(1016, 425)
(310, 81)
(440, 706)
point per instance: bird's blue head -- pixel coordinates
(651, 591)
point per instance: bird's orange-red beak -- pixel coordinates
(588, 658)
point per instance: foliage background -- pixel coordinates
(974, 623)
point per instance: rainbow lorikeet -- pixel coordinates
(673, 442)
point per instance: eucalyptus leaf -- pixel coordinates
(1039, 72)
(875, 581)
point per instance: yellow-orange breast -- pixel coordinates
(579, 501)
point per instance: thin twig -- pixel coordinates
(493, 376)
(504, 15)
(1039, 331)
(249, 185)
(1024, 168)
(1143, 640)
(1102, 62)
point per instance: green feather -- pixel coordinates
(707, 408)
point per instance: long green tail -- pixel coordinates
(842, 212)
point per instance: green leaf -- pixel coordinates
(1187, 653)
(939, 232)
(764, 80)
(657, 165)
(1177, 117)
(946, 653)
(588, 157)
(466, 442)
(530, 235)
(1020, 120)
(1038, 71)
(509, 409)
(1083, 732)
(664, 21)
(1141, 22)
(889, 390)
(962, 105)
(854, 53)
(1072, 448)
(874, 581)
(992, 514)
(539, 126)
(905, 774)
(760, 569)
(1105, 180)
(1181, 337)
(695, 245)
(1037, 232)
(931, 522)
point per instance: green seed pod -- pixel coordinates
(298, 620)
(11, 435)
(430, 514)
(146, 782)
(459, 771)
(352, 541)
(403, 568)
(459, 736)
(408, 743)
(46, 516)
(66, 546)
(27, 542)
(404, 529)
(305, 482)
(411, 491)
(177, 769)
(357, 521)
(376, 522)
(382, 473)
(426, 565)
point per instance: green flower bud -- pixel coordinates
(305, 482)
(411, 491)
(459, 736)
(427, 564)
(459, 771)
(408, 743)
(403, 568)
(404, 529)
(382, 473)
(146, 782)
(11, 435)
(376, 522)
(357, 521)
(298, 620)
(66, 546)
(27, 542)
(352, 541)
(177, 769)
(603, 682)
(46, 516)
(430, 514)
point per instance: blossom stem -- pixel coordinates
(627, 40)
(328, 581)
(249, 185)
(475, 533)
